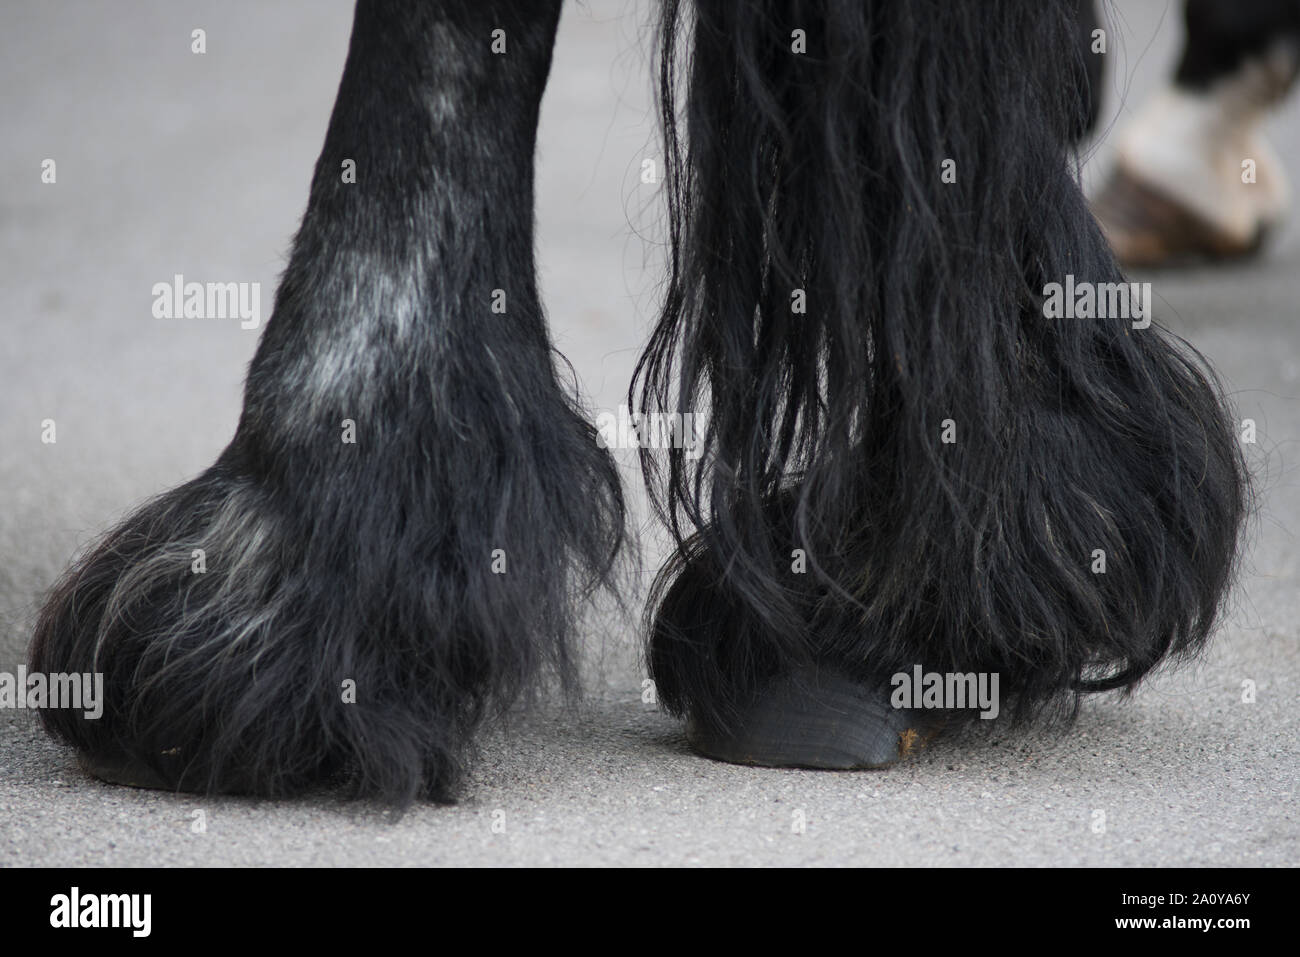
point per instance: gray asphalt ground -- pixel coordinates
(170, 162)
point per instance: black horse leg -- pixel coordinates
(393, 543)
(913, 461)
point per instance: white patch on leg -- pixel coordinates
(1191, 146)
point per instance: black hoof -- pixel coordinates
(126, 772)
(817, 719)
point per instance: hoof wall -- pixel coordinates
(125, 772)
(817, 720)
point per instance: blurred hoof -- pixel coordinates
(1147, 228)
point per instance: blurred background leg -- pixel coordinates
(1195, 178)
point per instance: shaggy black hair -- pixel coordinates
(821, 174)
(437, 562)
